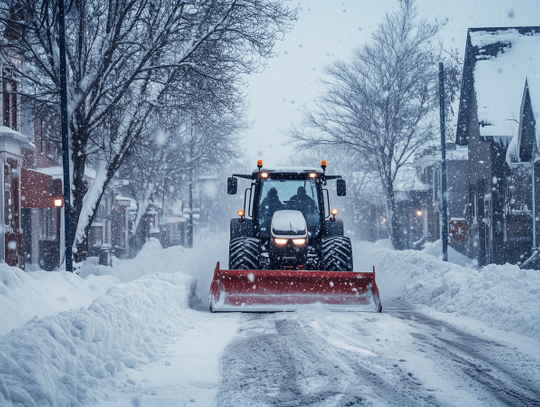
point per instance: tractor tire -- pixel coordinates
(336, 254)
(244, 253)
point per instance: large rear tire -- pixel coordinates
(244, 253)
(336, 254)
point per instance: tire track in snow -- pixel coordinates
(495, 369)
(262, 367)
(279, 360)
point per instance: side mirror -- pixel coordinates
(341, 187)
(232, 185)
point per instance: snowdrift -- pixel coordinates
(502, 296)
(152, 259)
(24, 295)
(76, 356)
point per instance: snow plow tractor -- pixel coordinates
(287, 248)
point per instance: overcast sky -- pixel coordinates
(327, 30)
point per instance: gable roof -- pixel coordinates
(521, 149)
(497, 62)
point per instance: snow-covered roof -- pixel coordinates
(58, 172)
(4, 130)
(290, 170)
(460, 153)
(407, 180)
(133, 202)
(504, 58)
(532, 88)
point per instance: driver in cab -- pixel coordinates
(303, 202)
(269, 205)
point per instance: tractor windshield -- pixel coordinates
(280, 194)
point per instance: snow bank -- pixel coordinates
(152, 259)
(502, 296)
(24, 295)
(76, 356)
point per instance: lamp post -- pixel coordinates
(444, 236)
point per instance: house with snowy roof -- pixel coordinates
(497, 63)
(428, 165)
(523, 158)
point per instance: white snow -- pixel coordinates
(140, 341)
(37, 294)
(499, 80)
(288, 222)
(75, 356)
(407, 180)
(290, 170)
(503, 296)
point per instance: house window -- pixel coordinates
(39, 132)
(48, 223)
(11, 195)
(518, 194)
(9, 100)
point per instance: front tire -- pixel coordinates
(244, 253)
(336, 254)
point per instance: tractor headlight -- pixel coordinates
(299, 242)
(280, 241)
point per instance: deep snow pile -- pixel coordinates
(503, 296)
(24, 295)
(75, 356)
(151, 259)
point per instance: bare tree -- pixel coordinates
(381, 104)
(177, 153)
(128, 59)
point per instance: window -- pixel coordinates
(278, 194)
(48, 223)
(9, 100)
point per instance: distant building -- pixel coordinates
(497, 62)
(523, 157)
(428, 165)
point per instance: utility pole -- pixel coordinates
(190, 221)
(65, 135)
(444, 236)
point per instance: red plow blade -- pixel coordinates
(289, 290)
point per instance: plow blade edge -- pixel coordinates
(289, 290)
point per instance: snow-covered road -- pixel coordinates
(449, 335)
(403, 357)
(187, 373)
